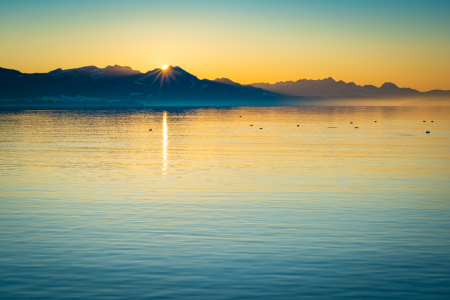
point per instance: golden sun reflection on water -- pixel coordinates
(165, 142)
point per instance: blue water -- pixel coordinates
(94, 205)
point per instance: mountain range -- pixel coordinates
(123, 86)
(331, 88)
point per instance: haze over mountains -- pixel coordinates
(117, 85)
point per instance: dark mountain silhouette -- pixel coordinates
(173, 86)
(227, 81)
(123, 86)
(330, 88)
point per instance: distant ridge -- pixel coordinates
(109, 71)
(330, 88)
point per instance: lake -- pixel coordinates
(226, 203)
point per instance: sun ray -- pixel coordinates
(160, 74)
(149, 75)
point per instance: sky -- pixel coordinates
(406, 42)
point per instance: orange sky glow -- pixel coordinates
(246, 42)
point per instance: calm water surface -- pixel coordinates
(205, 206)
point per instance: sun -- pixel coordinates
(164, 67)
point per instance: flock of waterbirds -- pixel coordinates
(327, 127)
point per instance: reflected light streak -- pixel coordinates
(165, 142)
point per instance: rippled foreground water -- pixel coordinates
(205, 206)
